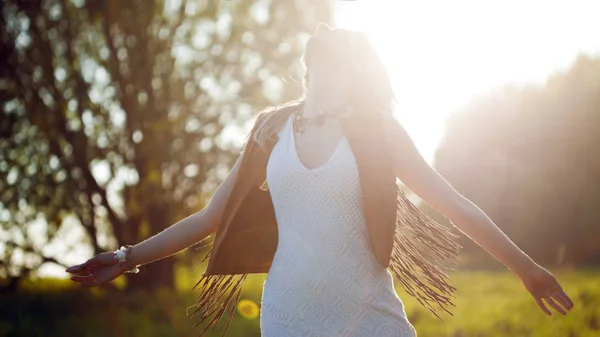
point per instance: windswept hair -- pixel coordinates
(370, 91)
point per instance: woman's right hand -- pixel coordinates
(98, 270)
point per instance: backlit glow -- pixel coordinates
(440, 54)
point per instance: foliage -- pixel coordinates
(117, 116)
(528, 156)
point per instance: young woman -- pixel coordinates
(325, 278)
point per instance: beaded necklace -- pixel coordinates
(302, 123)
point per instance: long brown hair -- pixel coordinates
(370, 88)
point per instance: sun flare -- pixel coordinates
(440, 54)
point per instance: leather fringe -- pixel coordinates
(219, 294)
(422, 250)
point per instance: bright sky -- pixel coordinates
(442, 53)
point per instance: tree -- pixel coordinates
(528, 157)
(116, 114)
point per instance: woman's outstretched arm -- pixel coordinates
(429, 185)
(189, 230)
(103, 267)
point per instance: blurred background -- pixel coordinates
(119, 118)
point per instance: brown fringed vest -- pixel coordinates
(404, 239)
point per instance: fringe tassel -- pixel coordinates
(422, 249)
(219, 295)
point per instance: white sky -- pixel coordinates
(442, 53)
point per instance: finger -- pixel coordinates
(78, 278)
(564, 300)
(79, 270)
(555, 305)
(74, 269)
(84, 278)
(564, 295)
(543, 306)
(91, 262)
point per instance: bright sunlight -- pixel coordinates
(441, 54)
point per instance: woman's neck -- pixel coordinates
(318, 100)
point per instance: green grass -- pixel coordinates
(488, 304)
(494, 304)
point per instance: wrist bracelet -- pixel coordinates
(123, 256)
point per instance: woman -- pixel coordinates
(325, 279)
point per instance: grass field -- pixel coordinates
(488, 304)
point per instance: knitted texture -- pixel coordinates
(325, 279)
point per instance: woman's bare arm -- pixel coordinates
(429, 185)
(189, 230)
(103, 267)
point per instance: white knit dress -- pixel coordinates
(325, 279)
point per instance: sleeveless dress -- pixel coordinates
(325, 279)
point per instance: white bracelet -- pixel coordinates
(124, 259)
(120, 255)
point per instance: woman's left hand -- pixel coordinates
(543, 285)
